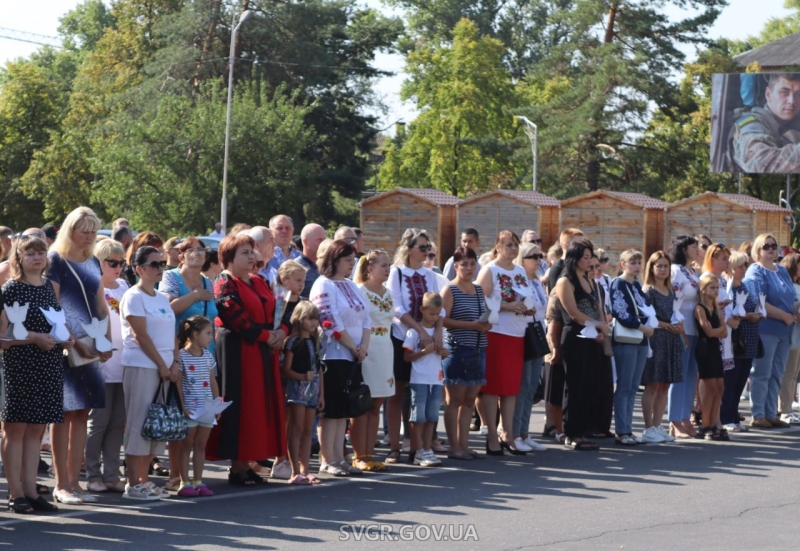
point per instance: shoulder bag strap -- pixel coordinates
(71, 269)
(635, 306)
(205, 302)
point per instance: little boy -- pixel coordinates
(425, 384)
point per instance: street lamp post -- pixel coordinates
(224, 218)
(533, 135)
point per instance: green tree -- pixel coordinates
(456, 142)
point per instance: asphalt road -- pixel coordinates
(688, 495)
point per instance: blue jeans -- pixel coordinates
(630, 360)
(681, 395)
(765, 377)
(425, 402)
(531, 372)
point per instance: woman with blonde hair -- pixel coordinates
(745, 344)
(372, 271)
(107, 425)
(76, 276)
(766, 277)
(409, 280)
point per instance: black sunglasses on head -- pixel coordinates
(155, 264)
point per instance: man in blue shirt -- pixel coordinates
(282, 230)
(311, 236)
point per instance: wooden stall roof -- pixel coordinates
(784, 52)
(741, 201)
(755, 203)
(636, 199)
(531, 197)
(433, 196)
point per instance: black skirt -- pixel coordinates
(335, 378)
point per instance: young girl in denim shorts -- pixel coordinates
(304, 394)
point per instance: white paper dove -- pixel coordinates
(589, 330)
(650, 312)
(529, 303)
(762, 304)
(493, 307)
(98, 329)
(738, 304)
(16, 316)
(57, 319)
(677, 317)
(207, 412)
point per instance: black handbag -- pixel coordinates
(359, 399)
(535, 342)
(738, 342)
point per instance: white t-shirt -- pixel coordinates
(113, 367)
(426, 370)
(160, 327)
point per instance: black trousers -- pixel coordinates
(735, 381)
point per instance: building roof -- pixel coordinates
(532, 197)
(637, 199)
(781, 53)
(644, 201)
(754, 203)
(432, 196)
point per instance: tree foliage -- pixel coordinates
(456, 142)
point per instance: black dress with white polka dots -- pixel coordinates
(33, 378)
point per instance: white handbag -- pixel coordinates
(624, 335)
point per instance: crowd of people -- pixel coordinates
(310, 339)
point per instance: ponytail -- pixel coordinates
(189, 327)
(362, 273)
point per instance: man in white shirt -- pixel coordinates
(471, 240)
(218, 232)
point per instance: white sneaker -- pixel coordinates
(432, 457)
(282, 471)
(639, 440)
(424, 460)
(652, 436)
(521, 446)
(484, 430)
(667, 436)
(791, 418)
(406, 445)
(140, 492)
(796, 406)
(534, 445)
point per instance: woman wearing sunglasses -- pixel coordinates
(106, 425)
(530, 258)
(409, 280)
(150, 355)
(766, 277)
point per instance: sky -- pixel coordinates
(737, 21)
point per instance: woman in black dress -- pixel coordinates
(34, 384)
(580, 306)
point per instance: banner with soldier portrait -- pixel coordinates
(755, 123)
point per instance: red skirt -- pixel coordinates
(504, 359)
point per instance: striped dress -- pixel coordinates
(466, 308)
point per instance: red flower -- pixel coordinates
(191, 368)
(326, 324)
(337, 335)
(205, 383)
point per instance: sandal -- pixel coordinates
(312, 479)
(393, 457)
(242, 478)
(549, 431)
(350, 468)
(20, 506)
(377, 466)
(560, 437)
(330, 468)
(42, 490)
(157, 470)
(299, 479)
(41, 504)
